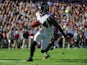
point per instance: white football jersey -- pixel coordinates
(42, 19)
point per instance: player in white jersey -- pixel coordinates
(47, 21)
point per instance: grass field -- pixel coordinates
(58, 57)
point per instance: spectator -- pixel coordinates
(25, 39)
(16, 38)
(1, 39)
(16, 13)
(10, 39)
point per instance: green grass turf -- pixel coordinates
(58, 57)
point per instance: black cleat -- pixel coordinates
(30, 59)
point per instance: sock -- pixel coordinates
(32, 48)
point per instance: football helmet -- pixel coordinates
(44, 8)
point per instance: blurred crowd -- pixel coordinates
(16, 17)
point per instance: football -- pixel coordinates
(35, 23)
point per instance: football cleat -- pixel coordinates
(46, 57)
(30, 59)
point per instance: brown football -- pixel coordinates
(35, 23)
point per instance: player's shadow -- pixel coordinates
(55, 60)
(72, 60)
(12, 59)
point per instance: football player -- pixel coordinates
(47, 21)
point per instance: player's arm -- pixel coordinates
(37, 22)
(54, 22)
(59, 28)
